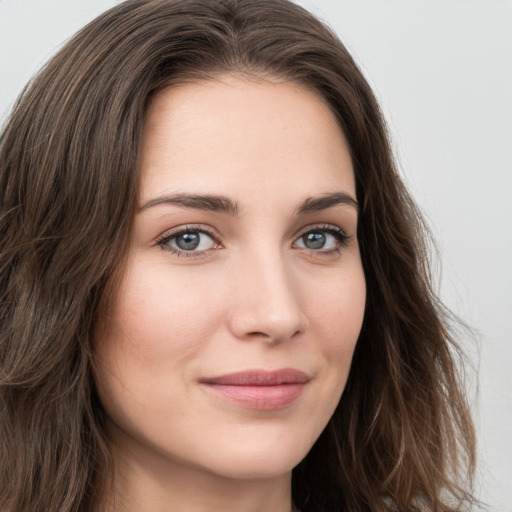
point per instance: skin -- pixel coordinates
(254, 294)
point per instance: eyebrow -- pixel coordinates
(315, 204)
(222, 204)
(209, 202)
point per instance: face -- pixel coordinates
(229, 341)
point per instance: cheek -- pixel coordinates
(155, 316)
(146, 340)
(337, 310)
(337, 314)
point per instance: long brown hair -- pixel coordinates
(401, 437)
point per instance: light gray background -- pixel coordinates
(443, 72)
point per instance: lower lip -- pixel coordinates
(265, 398)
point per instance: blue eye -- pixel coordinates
(323, 239)
(315, 240)
(188, 240)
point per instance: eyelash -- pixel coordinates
(341, 238)
(164, 240)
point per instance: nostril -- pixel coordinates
(273, 336)
(260, 335)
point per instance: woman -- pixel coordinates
(214, 284)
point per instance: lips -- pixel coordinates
(259, 389)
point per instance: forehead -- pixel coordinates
(210, 135)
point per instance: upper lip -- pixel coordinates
(259, 378)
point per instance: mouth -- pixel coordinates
(259, 389)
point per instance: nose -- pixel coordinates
(267, 303)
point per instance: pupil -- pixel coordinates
(314, 240)
(188, 241)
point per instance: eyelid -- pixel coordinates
(168, 235)
(341, 236)
(332, 228)
(185, 228)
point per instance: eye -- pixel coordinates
(324, 239)
(188, 240)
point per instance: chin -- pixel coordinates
(258, 460)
